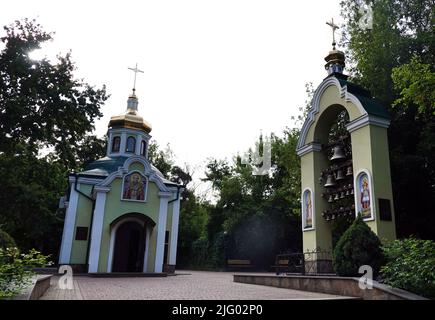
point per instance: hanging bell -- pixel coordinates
(351, 191)
(330, 181)
(336, 197)
(331, 199)
(347, 192)
(349, 171)
(338, 153)
(340, 175)
(342, 195)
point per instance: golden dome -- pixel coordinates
(130, 119)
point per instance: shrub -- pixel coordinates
(6, 241)
(410, 265)
(358, 246)
(16, 270)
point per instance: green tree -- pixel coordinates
(358, 246)
(395, 60)
(259, 214)
(46, 116)
(41, 104)
(410, 265)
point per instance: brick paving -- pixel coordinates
(187, 285)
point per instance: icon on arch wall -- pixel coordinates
(134, 187)
(364, 196)
(308, 209)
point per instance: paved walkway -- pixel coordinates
(191, 285)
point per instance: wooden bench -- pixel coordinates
(239, 264)
(281, 266)
(289, 263)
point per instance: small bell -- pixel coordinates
(347, 192)
(349, 171)
(336, 197)
(351, 191)
(338, 153)
(331, 199)
(340, 175)
(342, 195)
(330, 181)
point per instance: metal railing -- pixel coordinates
(316, 262)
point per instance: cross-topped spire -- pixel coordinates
(334, 27)
(136, 71)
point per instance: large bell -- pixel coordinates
(330, 181)
(338, 153)
(340, 175)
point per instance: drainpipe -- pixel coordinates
(178, 193)
(92, 214)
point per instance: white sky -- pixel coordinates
(217, 73)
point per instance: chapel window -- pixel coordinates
(131, 144)
(116, 142)
(143, 148)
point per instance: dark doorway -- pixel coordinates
(129, 248)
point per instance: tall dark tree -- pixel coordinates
(46, 116)
(395, 60)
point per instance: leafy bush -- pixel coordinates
(410, 265)
(358, 246)
(16, 270)
(6, 241)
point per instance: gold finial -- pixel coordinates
(136, 71)
(334, 27)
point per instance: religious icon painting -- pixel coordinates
(134, 187)
(364, 196)
(308, 209)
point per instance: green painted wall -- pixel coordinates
(83, 219)
(312, 164)
(136, 166)
(115, 207)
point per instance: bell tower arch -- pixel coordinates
(352, 167)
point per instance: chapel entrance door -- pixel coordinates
(129, 248)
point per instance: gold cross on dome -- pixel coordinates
(334, 27)
(136, 71)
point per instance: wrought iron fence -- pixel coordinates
(314, 262)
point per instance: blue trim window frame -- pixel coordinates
(143, 148)
(116, 144)
(130, 146)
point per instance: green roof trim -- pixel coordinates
(370, 104)
(103, 167)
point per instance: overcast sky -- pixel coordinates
(216, 73)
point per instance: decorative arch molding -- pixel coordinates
(315, 108)
(148, 172)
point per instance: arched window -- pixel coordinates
(131, 144)
(116, 142)
(143, 148)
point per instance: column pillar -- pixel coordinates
(69, 224)
(97, 229)
(161, 230)
(174, 233)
